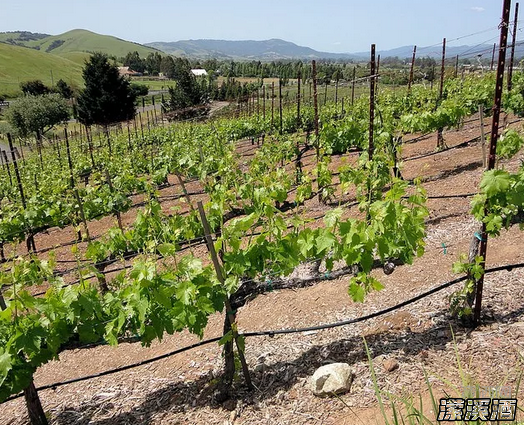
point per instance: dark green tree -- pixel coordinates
(152, 63)
(135, 62)
(167, 66)
(107, 97)
(188, 91)
(34, 88)
(64, 90)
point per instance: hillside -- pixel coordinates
(273, 49)
(19, 64)
(20, 38)
(79, 40)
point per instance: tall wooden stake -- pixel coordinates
(493, 57)
(482, 135)
(353, 86)
(280, 103)
(272, 104)
(377, 71)
(514, 43)
(315, 106)
(440, 137)
(371, 103)
(411, 71)
(117, 213)
(30, 239)
(298, 99)
(7, 165)
(493, 145)
(230, 314)
(264, 102)
(75, 190)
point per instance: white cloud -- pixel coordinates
(478, 9)
(337, 43)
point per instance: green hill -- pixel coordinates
(87, 41)
(18, 64)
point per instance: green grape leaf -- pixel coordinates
(495, 181)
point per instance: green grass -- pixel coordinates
(77, 57)
(86, 41)
(409, 409)
(153, 84)
(18, 64)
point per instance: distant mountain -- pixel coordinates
(274, 49)
(75, 41)
(435, 52)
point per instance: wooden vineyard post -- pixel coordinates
(258, 104)
(108, 137)
(21, 151)
(230, 314)
(162, 102)
(371, 104)
(440, 138)
(315, 106)
(184, 191)
(30, 239)
(353, 86)
(280, 104)
(412, 69)
(6, 161)
(129, 145)
(493, 146)
(75, 190)
(493, 57)
(272, 104)
(155, 118)
(117, 213)
(35, 410)
(326, 84)
(336, 93)
(298, 100)
(89, 139)
(376, 73)
(264, 102)
(482, 135)
(513, 44)
(456, 66)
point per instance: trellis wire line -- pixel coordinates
(272, 333)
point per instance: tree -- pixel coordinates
(34, 87)
(135, 62)
(139, 89)
(107, 97)
(152, 63)
(167, 66)
(187, 91)
(37, 114)
(64, 90)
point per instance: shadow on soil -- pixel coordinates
(179, 397)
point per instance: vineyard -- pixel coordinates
(226, 235)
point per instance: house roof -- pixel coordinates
(199, 72)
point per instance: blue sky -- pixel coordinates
(327, 25)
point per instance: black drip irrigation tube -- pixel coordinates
(272, 333)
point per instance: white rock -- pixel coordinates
(331, 379)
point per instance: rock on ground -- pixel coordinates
(331, 379)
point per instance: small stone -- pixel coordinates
(390, 365)
(331, 379)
